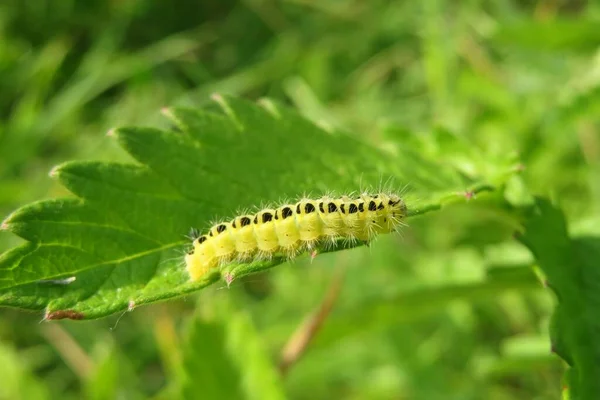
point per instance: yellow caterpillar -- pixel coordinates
(294, 228)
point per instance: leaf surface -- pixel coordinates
(120, 243)
(572, 270)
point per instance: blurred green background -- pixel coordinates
(510, 76)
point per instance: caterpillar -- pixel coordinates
(294, 228)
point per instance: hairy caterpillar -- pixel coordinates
(292, 229)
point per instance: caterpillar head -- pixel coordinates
(390, 210)
(397, 206)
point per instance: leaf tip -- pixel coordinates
(228, 277)
(8, 221)
(54, 172)
(270, 107)
(63, 314)
(218, 97)
(222, 102)
(167, 112)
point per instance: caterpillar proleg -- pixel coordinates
(292, 229)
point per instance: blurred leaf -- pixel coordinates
(102, 384)
(17, 381)
(208, 371)
(112, 376)
(225, 359)
(415, 305)
(573, 272)
(563, 35)
(120, 244)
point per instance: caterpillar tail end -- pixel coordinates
(196, 269)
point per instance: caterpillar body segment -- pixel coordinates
(333, 221)
(222, 242)
(244, 237)
(266, 235)
(287, 231)
(308, 223)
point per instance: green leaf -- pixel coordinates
(413, 306)
(563, 35)
(17, 381)
(225, 359)
(573, 271)
(120, 243)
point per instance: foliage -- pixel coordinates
(112, 250)
(484, 110)
(573, 273)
